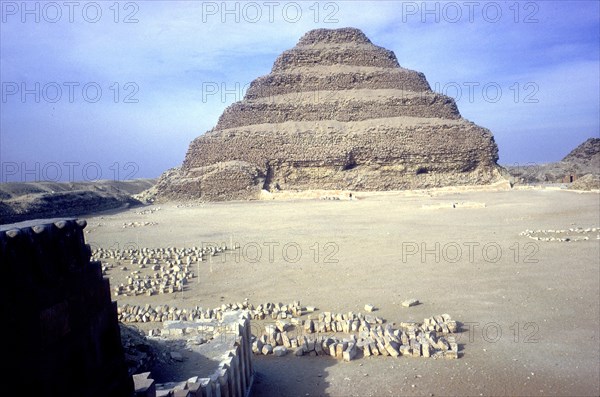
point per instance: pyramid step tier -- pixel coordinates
(304, 81)
(331, 105)
(375, 141)
(357, 55)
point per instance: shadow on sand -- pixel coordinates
(291, 376)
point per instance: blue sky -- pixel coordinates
(133, 78)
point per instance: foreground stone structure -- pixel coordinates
(226, 347)
(58, 314)
(336, 112)
(341, 335)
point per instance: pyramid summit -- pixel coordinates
(336, 112)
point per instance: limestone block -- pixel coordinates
(410, 302)
(280, 351)
(350, 352)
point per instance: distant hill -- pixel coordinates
(581, 161)
(20, 201)
(586, 156)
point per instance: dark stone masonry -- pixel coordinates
(58, 317)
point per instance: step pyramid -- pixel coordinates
(338, 113)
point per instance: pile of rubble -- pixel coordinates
(168, 256)
(432, 338)
(138, 224)
(140, 352)
(148, 211)
(170, 267)
(165, 280)
(562, 235)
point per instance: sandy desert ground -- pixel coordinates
(530, 310)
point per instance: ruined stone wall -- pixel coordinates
(226, 344)
(58, 314)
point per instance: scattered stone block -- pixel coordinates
(416, 349)
(144, 386)
(309, 326)
(366, 349)
(405, 350)
(425, 352)
(176, 356)
(280, 351)
(369, 308)
(452, 326)
(339, 349)
(410, 302)
(333, 349)
(282, 326)
(373, 348)
(350, 352)
(321, 327)
(381, 347)
(319, 348)
(392, 349)
(176, 332)
(443, 344)
(267, 349)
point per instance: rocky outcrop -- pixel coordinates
(336, 112)
(587, 182)
(583, 162)
(586, 155)
(20, 201)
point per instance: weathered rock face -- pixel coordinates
(586, 155)
(336, 112)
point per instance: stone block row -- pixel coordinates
(434, 337)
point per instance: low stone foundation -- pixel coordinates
(226, 367)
